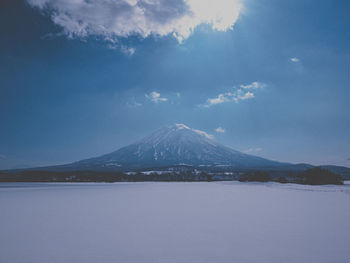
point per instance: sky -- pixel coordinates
(79, 78)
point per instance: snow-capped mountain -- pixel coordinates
(172, 146)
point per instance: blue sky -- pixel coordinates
(276, 85)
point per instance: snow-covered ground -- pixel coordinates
(174, 222)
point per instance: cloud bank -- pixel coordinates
(244, 92)
(113, 19)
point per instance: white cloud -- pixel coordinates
(221, 98)
(203, 133)
(220, 130)
(253, 150)
(180, 126)
(113, 19)
(253, 85)
(133, 103)
(241, 93)
(244, 96)
(295, 60)
(155, 97)
(128, 50)
(125, 49)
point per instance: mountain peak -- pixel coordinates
(181, 126)
(174, 145)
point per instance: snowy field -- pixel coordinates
(174, 223)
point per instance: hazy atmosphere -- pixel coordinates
(83, 78)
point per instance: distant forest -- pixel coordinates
(312, 176)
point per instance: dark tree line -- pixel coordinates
(97, 176)
(256, 176)
(313, 176)
(319, 176)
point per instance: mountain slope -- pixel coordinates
(171, 146)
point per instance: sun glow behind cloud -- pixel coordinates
(114, 19)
